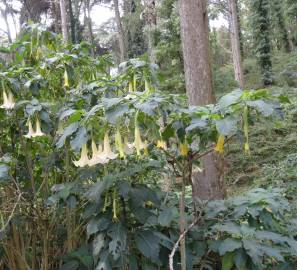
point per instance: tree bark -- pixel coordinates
(195, 42)
(151, 21)
(4, 13)
(64, 21)
(88, 24)
(235, 43)
(120, 31)
(72, 21)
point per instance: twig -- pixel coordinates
(181, 237)
(11, 214)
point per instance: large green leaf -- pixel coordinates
(229, 245)
(118, 243)
(148, 244)
(230, 99)
(227, 126)
(67, 132)
(4, 172)
(228, 261)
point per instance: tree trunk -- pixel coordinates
(64, 21)
(88, 24)
(4, 13)
(151, 22)
(235, 43)
(72, 22)
(120, 31)
(195, 42)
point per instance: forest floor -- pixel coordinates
(273, 160)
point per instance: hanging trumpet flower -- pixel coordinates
(246, 131)
(84, 159)
(31, 131)
(220, 144)
(107, 152)
(135, 82)
(161, 144)
(184, 148)
(138, 143)
(119, 144)
(128, 147)
(130, 87)
(38, 131)
(66, 79)
(8, 101)
(115, 206)
(97, 155)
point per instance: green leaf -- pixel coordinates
(229, 245)
(166, 217)
(148, 244)
(240, 258)
(71, 265)
(133, 262)
(111, 102)
(67, 132)
(95, 192)
(227, 126)
(118, 244)
(263, 107)
(230, 99)
(196, 123)
(98, 244)
(104, 263)
(66, 113)
(227, 261)
(4, 172)
(80, 138)
(114, 113)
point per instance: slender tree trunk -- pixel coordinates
(235, 43)
(88, 23)
(72, 21)
(151, 22)
(64, 21)
(195, 42)
(120, 31)
(76, 17)
(4, 13)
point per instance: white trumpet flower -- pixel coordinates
(128, 147)
(38, 132)
(138, 143)
(84, 159)
(119, 144)
(97, 155)
(107, 149)
(31, 132)
(8, 101)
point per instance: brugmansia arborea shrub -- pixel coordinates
(84, 154)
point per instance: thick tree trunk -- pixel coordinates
(235, 43)
(64, 21)
(120, 31)
(195, 41)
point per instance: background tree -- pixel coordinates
(262, 37)
(64, 20)
(235, 42)
(279, 25)
(121, 38)
(199, 86)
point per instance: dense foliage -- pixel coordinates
(88, 162)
